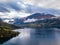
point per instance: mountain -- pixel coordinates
(18, 21)
(7, 25)
(32, 18)
(46, 23)
(40, 16)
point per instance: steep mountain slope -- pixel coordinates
(6, 31)
(32, 18)
(40, 16)
(9, 26)
(46, 23)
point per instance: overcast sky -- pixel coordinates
(23, 8)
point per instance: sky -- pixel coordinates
(23, 8)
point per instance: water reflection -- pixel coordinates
(44, 37)
(35, 36)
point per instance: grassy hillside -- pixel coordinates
(6, 31)
(8, 26)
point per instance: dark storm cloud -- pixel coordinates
(28, 8)
(15, 6)
(3, 9)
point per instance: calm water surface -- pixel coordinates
(36, 36)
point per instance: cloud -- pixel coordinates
(6, 21)
(3, 9)
(23, 8)
(30, 20)
(36, 9)
(6, 0)
(13, 14)
(14, 6)
(41, 3)
(44, 3)
(10, 5)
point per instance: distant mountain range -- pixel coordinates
(46, 23)
(38, 20)
(40, 16)
(32, 18)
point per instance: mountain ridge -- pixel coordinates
(40, 15)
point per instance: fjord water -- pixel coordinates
(36, 36)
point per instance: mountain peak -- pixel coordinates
(40, 15)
